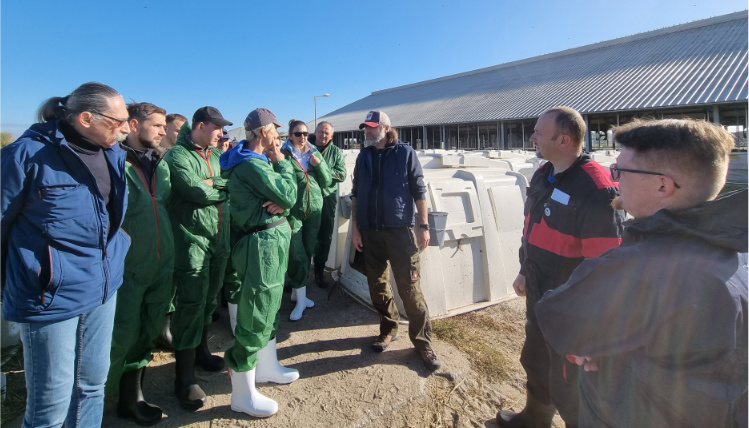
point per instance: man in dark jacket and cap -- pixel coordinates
(388, 183)
(659, 324)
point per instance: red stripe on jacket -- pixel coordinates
(556, 242)
(600, 175)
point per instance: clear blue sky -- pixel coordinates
(242, 54)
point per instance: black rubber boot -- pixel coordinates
(189, 393)
(535, 415)
(320, 276)
(131, 404)
(203, 357)
(165, 338)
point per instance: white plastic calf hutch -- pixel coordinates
(483, 197)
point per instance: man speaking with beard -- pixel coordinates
(388, 182)
(147, 284)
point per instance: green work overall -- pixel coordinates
(305, 216)
(260, 256)
(147, 290)
(200, 221)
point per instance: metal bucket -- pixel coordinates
(345, 204)
(437, 224)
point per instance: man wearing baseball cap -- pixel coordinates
(200, 220)
(263, 189)
(383, 203)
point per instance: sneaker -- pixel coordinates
(382, 342)
(430, 359)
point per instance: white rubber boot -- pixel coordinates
(233, 317)
(302, 303)
(310, 303)
(246, 399)
(270, 370)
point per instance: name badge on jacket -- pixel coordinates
(561, 197)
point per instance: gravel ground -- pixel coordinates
(343, 382)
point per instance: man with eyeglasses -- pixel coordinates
(568, 217)
(659, 324)
(200, 221)
(63, 201)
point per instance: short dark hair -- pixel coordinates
(141, 111)
(569, 121)
(693, 147)
(92, 97)
(171, 117)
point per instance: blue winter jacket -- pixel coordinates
(400, 182)
(57, 257)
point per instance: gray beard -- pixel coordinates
(120, 137)
(373, 142)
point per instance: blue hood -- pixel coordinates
(238, 154)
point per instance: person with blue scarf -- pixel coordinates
(262, 190)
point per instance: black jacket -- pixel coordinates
(568, 217)
(665, 317)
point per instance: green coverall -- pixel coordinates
(305, 215)
(200, 221)
(259, 258)
(147, 290)
(334, 158)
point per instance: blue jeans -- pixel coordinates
(66, 365)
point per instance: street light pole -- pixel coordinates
(315, 99)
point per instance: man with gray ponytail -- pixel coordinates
(63, 202)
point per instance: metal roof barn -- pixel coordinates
(698, 63)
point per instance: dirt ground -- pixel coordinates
(344, 383)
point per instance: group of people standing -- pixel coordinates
(96, 177)
(653, 310)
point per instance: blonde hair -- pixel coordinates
(257, 132)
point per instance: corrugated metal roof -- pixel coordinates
(702, 62)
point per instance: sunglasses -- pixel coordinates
(300, 134)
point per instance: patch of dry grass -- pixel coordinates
(476, 335)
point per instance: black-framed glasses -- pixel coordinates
(300, 134)
(616, 172)
(117, 122)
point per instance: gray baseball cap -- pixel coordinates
(260, 117)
